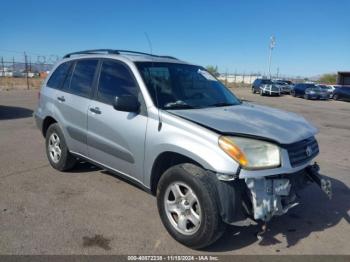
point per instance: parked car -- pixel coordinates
(265, 87)
(174, 130)
(342, 93)
(286, 86)
(328, 88)
(309, 91)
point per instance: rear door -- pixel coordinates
(116, 139)
(73, 102)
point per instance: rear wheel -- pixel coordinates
(56, 149)
(188, 206)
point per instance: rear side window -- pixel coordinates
(59, 75)
(115, 80)
(83, 77)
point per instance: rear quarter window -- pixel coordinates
(59, 75)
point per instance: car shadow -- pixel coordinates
(316, 213)
(14, 112)
(84, 167)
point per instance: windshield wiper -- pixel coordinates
(222, 104)
(178, 105)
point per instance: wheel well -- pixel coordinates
(47, 122)
(163, 162)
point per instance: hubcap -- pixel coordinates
(54, 148)
(182, 208)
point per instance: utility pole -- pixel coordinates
(278, 72)
(26, 68)
(271, 47)
(3, 67)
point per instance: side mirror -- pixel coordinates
(127, 103)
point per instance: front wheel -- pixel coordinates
(188, 206)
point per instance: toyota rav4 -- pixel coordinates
(179, 133)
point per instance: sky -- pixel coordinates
(312, 36)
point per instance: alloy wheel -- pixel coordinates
(182, 208)
(54, 148)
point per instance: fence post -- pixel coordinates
(3, 68)
(26, 68)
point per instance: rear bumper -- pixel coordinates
(321, 97)
(38, 121)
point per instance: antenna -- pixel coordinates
(154, 86)
(149, 43)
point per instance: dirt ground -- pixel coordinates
(90, 211)
(13, 83)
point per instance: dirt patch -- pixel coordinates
(98, 241)
(345, 127)
(13, 83)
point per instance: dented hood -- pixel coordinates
(252, 120)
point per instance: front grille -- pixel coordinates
(302, 151)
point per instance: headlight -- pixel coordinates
(251, 153)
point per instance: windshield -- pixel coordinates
(266, 82)
(324, 87)
(314, 88)
(181, 86)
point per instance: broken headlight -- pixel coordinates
(251, 153)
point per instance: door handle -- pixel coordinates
(95, 110)
(61, 98)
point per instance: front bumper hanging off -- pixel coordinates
(275, 195)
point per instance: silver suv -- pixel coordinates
(176, 131)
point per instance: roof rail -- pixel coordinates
(142, 53)
(92, 51)
(114, 52)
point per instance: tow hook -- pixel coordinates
(263, 230)
(324, 183)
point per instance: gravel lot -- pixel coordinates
(89, 211)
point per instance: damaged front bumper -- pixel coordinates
(275, 195)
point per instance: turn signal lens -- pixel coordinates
(233, 150)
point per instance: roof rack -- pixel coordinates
(114, 52)
(92, 51)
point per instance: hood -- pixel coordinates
(251, 120)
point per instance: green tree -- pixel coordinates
(328, 78)
(213, 70)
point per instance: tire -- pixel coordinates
(306, 97)
(56, 149)
(336, 97)
(190, 180)
(253, 90)
(293, 93)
